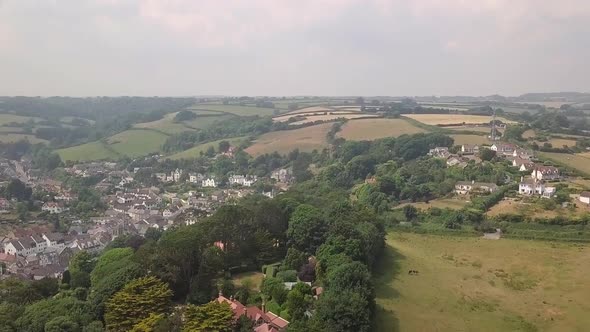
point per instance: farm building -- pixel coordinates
(585, 197)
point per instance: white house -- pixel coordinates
(505, 149)
(585, 197)
(246, 181)
(439, 152)
(195, 177)
(532, 186)
(464, 187)
(469, 149)
(209, 183)
(53, 207)
(545, 173)
(520, 153)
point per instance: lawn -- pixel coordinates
(86, 152)
(472, 284)
(235, 109)
(305, 139)
(470, 139)
(196, 151)
(580, 162)
(451, 119)
(252, 280)
(134, 143)
(371, 129)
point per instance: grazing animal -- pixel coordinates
(414, 272)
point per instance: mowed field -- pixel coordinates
(305, 139)
(371, 129)
(87, 152)
(450, 119)
(196, 151)
(472, 284)
(580, 162)
(470, 139)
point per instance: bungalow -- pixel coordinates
(532, 186)
(585, 197)
(53, 207)
(465, 187)
(469, 149)
(545, 173)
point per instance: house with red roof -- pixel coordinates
(263, 321)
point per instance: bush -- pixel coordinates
(287, 276)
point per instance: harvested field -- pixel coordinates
(333, 117)
(529, 134)
(310, 110)
(371, 129)
(473, 284)
(451, 119)
(284, 141)
(235, 109)
(533, 210)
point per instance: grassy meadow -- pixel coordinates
(87, 152)
(371, 129)
(472, 284)
(12, 118)
(134, 143)
(14, 137)
(305, 139)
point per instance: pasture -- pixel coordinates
(471, 139)
(371, 129)
(196, 150)
(87, 152)
(12, 118)
(167, 125)
(234, 109)
(473, 284)
(134, 143)
(453, 119)
(559, 142)
(305, 139)
(580, 162)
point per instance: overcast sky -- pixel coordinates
(295, 47)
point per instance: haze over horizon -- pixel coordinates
(305, 47)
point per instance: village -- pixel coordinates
(38, 249)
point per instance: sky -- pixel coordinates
(294, 47)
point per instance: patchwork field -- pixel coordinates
(13, 137)
(580, 162)
(472, 284)
(305, 139)
(470, 139)
(235, 109)
(451, 119)
(371, 129)
(196, 151)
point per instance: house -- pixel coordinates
(465, 187)
(469, 149)
(53, 207)
(532, 186)
(209, 183)
(282, 175)
(439, 152)
(241, 180)
(195, 177)
(263, 321)
(521, 154)
(545, 173)
(524, 165)
(585, 197)
(505, 149)
(456, 161)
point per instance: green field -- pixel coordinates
(472, 284)
(167, 125)
(134, 143)
(86, 152)
(196, 151)
(206, 121)
(235, 109)
(131, 143)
